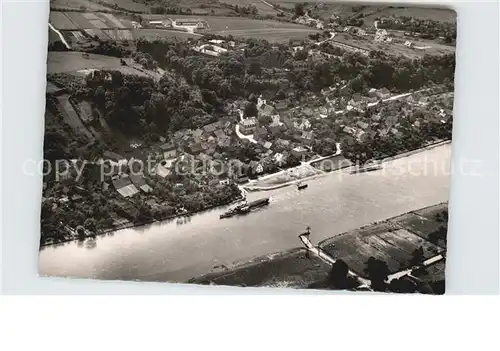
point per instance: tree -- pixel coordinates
(300, 10)
(402, 285)
(90, 224)
(280, 95)
(255, 68)
(301, 55)
(80, 231)
(417, 256)
(377, 271)
(265, 120)
(338, 275)
(253, 98)
(250, 110)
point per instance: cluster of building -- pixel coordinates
(216, 47)
(309, 21)
(168, 23)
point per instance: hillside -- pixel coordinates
(325, 10)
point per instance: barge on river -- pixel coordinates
(245, 208)
(367, 168)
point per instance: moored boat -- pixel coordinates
(367, 168)
(245, 208)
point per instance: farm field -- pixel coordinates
(117, 34)
(61, 21)
(76, 4)
(245, 27)
(262, 8)
(275, 35)
(73, 62)
(144, 5)
(392, 241)
(130, 5)
(97, 32)
(78, 19)
(423, 222)
(217, 23)
(86, 20)
(71, 117)
(53, 36)
(85, 111)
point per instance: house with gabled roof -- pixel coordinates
(267, 110)
(124, 186)
(197, 133)
(281, 105)
(169, 150)
(196, 148)
(210, 128)
(140, 183)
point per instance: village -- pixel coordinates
(256, 141)
(239, 149)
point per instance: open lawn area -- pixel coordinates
(74, 62)
(273, 31)
(274, 35)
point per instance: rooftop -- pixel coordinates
(168, 146)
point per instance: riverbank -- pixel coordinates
(392, 241)
(338, 166)
(177, 251)
(243, 189)
(142, 223)
(288, 269)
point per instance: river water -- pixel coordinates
(333, 204)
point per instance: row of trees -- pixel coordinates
(262, 68)
(142, 106)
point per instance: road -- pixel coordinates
(60, 36)
(404, 272)
(329, 259)
(243, 136)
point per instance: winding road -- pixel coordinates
(60, 36)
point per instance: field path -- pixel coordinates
(60, 36)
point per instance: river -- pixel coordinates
(332, 204)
